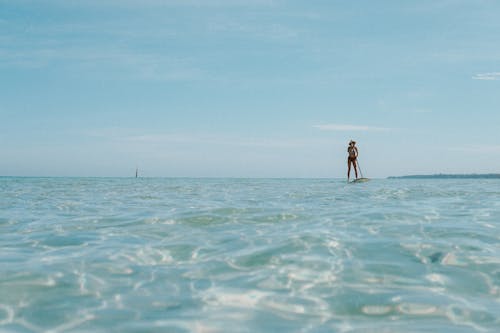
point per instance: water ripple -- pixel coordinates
(247, 255)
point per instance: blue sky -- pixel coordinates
(261, 88)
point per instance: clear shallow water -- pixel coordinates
(238, 255)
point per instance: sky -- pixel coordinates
(248, 88)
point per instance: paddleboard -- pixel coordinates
(360, 180)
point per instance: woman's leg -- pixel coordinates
(354, 164)
(348, 169)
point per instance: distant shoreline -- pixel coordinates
(450, 176)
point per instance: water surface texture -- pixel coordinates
(249, 255)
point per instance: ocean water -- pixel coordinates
(249, 255)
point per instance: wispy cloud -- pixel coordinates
(221, 141)
(91, 52)
(349, 128)
(125, 62)
(491, 76)
(157, 3)
(125, 136)
(423, 110)
(479, 149)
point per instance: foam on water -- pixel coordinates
(249, 255)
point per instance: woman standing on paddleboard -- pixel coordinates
(352, 150)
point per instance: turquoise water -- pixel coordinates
(249, 255)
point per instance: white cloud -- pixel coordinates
(420, 111)
(221, 141)
(479, 149)
(491, 76)
(155, 3)
(140, 138)
(348, 128)
(139, 65)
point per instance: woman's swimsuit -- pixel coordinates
(352, 154)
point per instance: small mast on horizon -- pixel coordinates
(136, 172)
